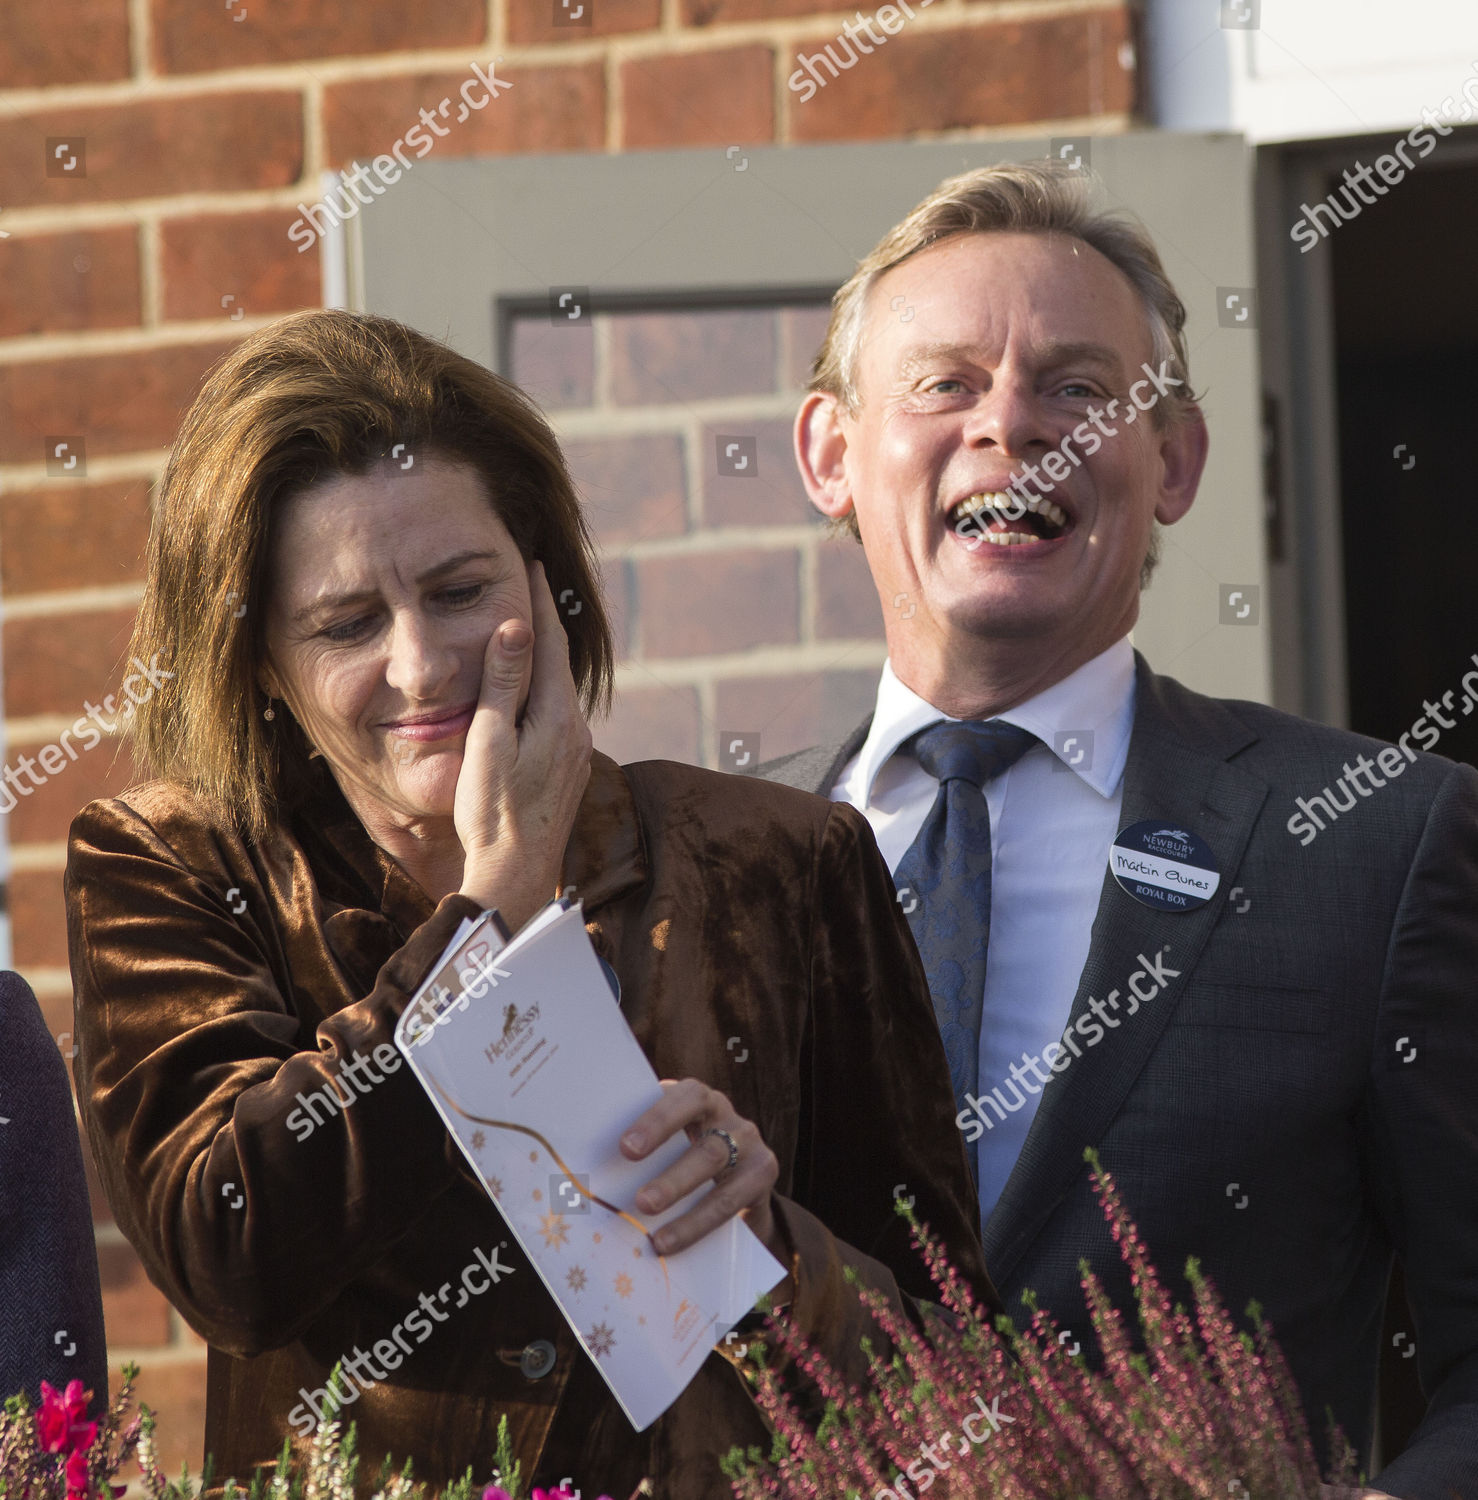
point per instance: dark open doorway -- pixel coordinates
(1405, 289)
(1405, 304)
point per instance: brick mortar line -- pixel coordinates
(146, 1355)
(695, 464)
(783, 117)
(786, 31)
(600, 386)
(1118, 123)
(708, 730)
(37, 729)
(272, 77)
(585, 422)
(758, 661)
(140, 36)
(151, 274)
(30, 857)
(48, 980)
(615, 93)
(315, 142)
(719, 540)
(67, 218)
(18, 479)
(69, 601)
(103, 341)
(146, 86)
(809, 589)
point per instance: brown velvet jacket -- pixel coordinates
(216, 979)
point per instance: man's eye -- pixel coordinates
(1076, 388)
(934, 385)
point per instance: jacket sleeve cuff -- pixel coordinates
(824, 1308)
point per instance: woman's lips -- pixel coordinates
(446, 727)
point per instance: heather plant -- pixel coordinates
(56, 1453)
(1202, 1411)
(1197, 1410)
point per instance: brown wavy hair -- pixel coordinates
(312, 397)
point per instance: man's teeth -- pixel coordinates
(1013, 507)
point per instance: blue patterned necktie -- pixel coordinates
(944, 883)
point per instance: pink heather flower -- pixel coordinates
(496, 1492)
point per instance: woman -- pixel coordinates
(373, 730)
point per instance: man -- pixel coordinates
(1267, 1022)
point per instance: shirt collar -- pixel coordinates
(1098, 697)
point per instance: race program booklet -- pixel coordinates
(528, 1059)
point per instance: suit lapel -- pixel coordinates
(816, 769)
(845, 751)
(1178, 770)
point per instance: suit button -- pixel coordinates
(537, 1359)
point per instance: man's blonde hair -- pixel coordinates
(1020, 198)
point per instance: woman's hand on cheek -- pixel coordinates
(525, 766)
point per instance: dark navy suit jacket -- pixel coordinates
(1301, 1103)
(51, 1309)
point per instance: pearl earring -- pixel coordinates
(269, 713)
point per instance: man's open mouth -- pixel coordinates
(1005, 520)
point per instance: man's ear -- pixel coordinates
(820, 454)
(1183, 449)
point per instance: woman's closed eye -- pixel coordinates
(454, 598)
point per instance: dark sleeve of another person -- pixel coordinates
(51, 1307)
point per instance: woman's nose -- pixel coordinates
(420, 658)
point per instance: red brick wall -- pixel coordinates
(200, 129)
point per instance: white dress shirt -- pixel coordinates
(1053, 817)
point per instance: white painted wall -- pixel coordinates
(1311, 68)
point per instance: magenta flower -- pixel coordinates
(496, 1492)
(61, 1424)
(78, 1476)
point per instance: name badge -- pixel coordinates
(1160, 865)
